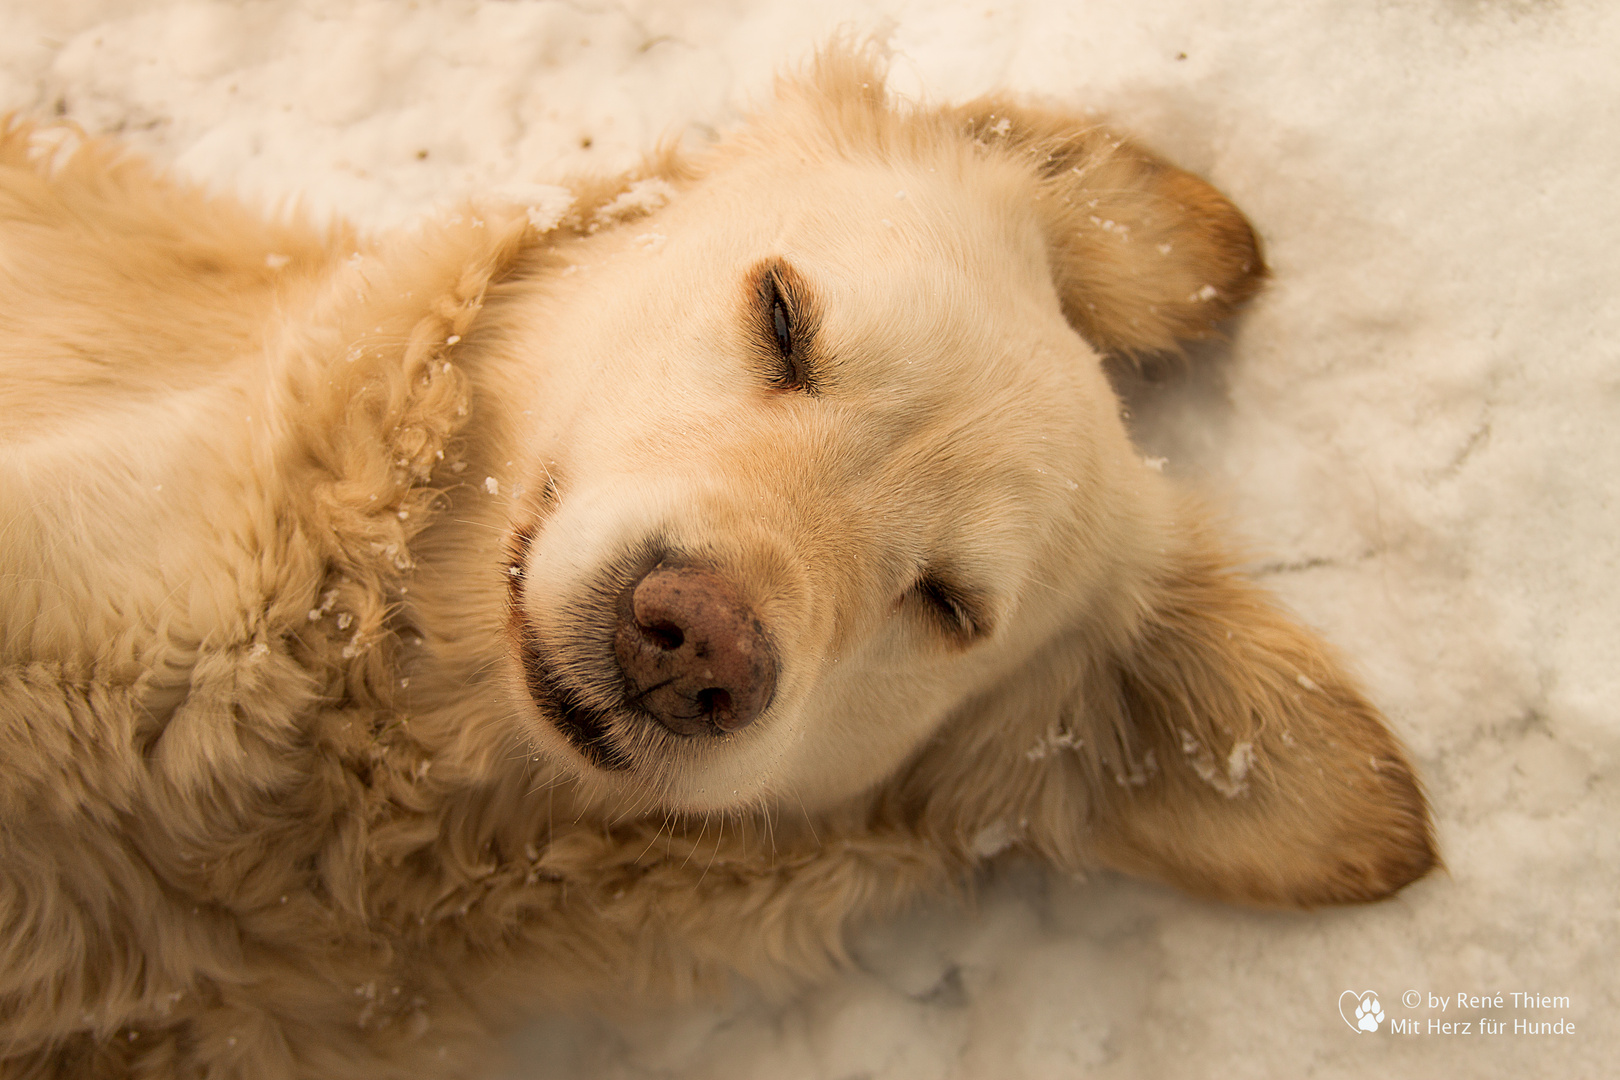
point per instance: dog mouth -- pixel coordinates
(587, 728)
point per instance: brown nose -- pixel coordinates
(692, 652)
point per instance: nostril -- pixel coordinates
(714, 702)
(665, 635)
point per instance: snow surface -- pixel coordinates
(1416, 426)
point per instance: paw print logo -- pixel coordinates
(1362, 1012)
(1369, 1014)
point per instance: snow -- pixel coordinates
(1232, 780)
(1414, 427)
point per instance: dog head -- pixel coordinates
(825, 469)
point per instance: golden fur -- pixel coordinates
(289, 519)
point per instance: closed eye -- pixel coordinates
(954, 611)
(783, 315)
(780, 323)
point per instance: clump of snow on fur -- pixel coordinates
(1137, 773)
(545, 205)
(641, 198)
(53, 146)
(993, 839)
(1238, 763)
(1230, 780)
(328, 601)
(1054, 740)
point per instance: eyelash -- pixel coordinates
(779, 319)
(950, 608)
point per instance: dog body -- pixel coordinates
(524, 609)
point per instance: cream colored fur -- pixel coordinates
(280, 508)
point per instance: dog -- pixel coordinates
(549, 604)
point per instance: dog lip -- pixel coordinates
(585, 728)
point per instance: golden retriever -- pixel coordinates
(530, 608)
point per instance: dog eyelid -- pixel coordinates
(952, 607)
(784, 326)
(791, 374)
(779, 323)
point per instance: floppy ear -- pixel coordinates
(1143, 254)
(1239, 760)
(1212, 743)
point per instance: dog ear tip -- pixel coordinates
(1408, 872)
(1375, 871)
(1379, 881)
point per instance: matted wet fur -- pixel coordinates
(315, 755)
